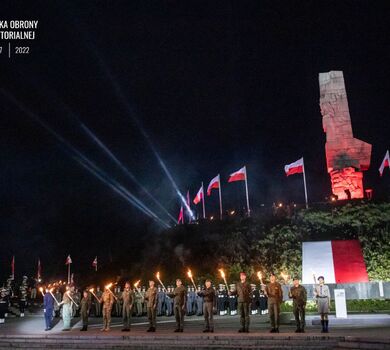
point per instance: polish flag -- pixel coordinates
(239, 175)
(214, 183)
(294, 168)
(95, 263)
(68, 260)
(199, 196)
(385, 163)
(181, 216)
(337, 261)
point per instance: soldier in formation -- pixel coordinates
(179, 296)
(127, 299)
(169, 302)
(299, 296)
(243, 292)
(274, 293)
(208, 296)
(85, 306)
(151, 303)
(160, 301)
(199, 302)
(107, 300)
(98, 306)
(23, 290)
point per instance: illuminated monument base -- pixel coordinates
(347, 183)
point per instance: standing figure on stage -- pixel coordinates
(67, 308)
(108, 300)
(85, 306)
(322, 295)
(274, 293)
(179, 296)
(77, 298)
(160, 301)
(232, 300)
(143, 307)
(98, 306)
(118, 302)
(255, 300)
(138, 303)
(190, 301)
(127, 298)
(48, 309)
(58, 297)
(243, 292)
(209, 297)
(299, 296)
(169, 302)
(222, 300)
(199, 302)
(151, 304)
(23, 290)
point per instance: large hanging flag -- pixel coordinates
(13, 267)
(297, 167)
(180, 220)
(216, 183)
(95, 263)
(39, 270)
(200, 197)
(241, 175)
(385, 163)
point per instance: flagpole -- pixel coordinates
(204, 210)
(220, 196)
(304, 183)
(246, 189)
(68, 273)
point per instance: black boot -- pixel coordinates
(323, 326)
(326, 326)
(298, 330)
(241, 330)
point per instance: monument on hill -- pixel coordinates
(346, 157)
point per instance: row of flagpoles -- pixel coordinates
(297, 167)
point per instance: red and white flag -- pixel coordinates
(199, 196)
(294, 168)
(214, 183)
(239, 175)
(181, 216)
(39, 273)
(95, 263)
(337, 261)
(68, 260)
(385, 163)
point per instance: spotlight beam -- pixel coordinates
(112, 183)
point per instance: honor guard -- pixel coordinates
(3, 304)
(179, 296)
(243, 292)
(107, 300)
(222, 298)
(160, 301)
(299, 296)
(322, 295)
(199, 302)
(127, 299)
(48, 309)
(169, 302)
(138, 303)
(143, 292)
(118, 302)
(85, 306)
(190, 301)
(208, 296)
(232, 300)
(151, 304)
(274, 292)
(98, 306)
(58, 296)
(263, 301)
(23, 296)
(77, 299)
(255, 300)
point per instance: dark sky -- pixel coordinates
(215, 84)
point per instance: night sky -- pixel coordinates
(215, 84)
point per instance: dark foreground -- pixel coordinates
(28, 333)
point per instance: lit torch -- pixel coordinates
(314, 275)
(108, 286)
(41, 290)
(136, 284)
(189, 273)
(224, 278)
(260, 277)
(91, 290)
(68, 293)
(158, 278)
(55, 299)
(285, 277)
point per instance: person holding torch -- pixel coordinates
(67, 308)
(274, 293)
(243, 291)
(127, 306)
(179, 296)
(151, 305)
(108, 300)
(209, 302)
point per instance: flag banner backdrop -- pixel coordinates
(337, 261)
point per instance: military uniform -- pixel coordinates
(222, 300)
(85, 306)
(169, 302)
(58, 297)
(232, 301)
(299, 296)
(127, 298)
(151, 304)
(98, 306)
(23, 296)
(255, 300)
(108, 300)
(208, 296)
(138, 303)
(118, 302)
(179, 296)
(322, 294)
(66, 311)
(199, 303)
(275, 297)
(243, 292)
(77, 298)
(3, 304)
(160, 301)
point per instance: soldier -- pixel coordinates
(58, 297)
(299, 296)
(151, 303)
(48, 308)
(77, 299)
(138, 303)
(67, 308)
(118, 301)
(243, 292)
(232, 300)
(108, 300)
(169, 302)
(322, 295)
(143, 308)
(274, 293)
(23, 296)
(127, 298)
(222, 298)
(208, 296)
(179, 295)
(3, 304)
(85, 306)
(263, 301)
(160, 301)
(98, 307)
(199, 302)
(189, 301)
(255, 300)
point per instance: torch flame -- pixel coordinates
(41, 289)
(108, 286)
(259, 275)
(137, 283)
(158, 275)
(51, 290)
(91, 290)
(189, 273)
(222, 273)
